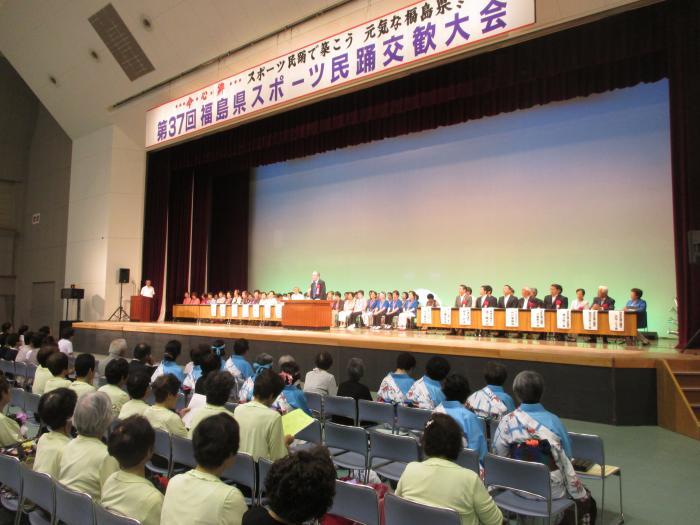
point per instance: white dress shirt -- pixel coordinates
(148, 291)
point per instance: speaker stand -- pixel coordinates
(119, 314)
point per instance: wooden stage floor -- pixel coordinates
(556, 352)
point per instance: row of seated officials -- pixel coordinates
(300, 487)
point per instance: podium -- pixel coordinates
(141, 309)
(307, 314)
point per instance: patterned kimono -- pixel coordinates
(191, 378)
(491, 402)
(469, 423)
(518, 427)
(290, 399)
(394, 388)
(245, 392)
(239, 368)
(426, 393)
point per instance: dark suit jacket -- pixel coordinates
(321, 294)
(608, 303)
(512, 302)
(533, 302)
(487, 301)
(563, 303)
(469, 300)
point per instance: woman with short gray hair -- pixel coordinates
(352, 387)
(117, 349)
(86, 463)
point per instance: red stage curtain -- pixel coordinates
(201, 219)
(178, 258)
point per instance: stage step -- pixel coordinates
(688, 378)
(692, 394)
(678, 396)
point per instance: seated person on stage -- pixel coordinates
(439, 481)
(116, 374)
(56, 412)
(639, 305)
(372, 306)
(42, 374)
(336, 301)
(348, 308)
(84, 375)
(229, 298)
(236, 299)
(169, 364)
(245, 297)
(292, 397)
(57, 363)
(220, 298)
(409, 310)
(329, 296)
(464, 299)
(580, 302)
(162, 414)
(127, 492)
(117, 349)
(492, 402)
(210, 363)
(237, 365)
(526, 302)
(10, 431)
(427, 393)
(137, 385)
(142, 361)
(456, 390)
(319, 380)
(186, 299)
(199, 496)
(393, 310)
(296, 294)
(194, 298)
(508, 300)
(358, 308)
(379, 311)
(555, 300)
(256, 297)
(431, 301)
(217, 388)
(604, 303)
(262, 362)
(352, 387)
(262, 435)
(539, 303)
(395, 386)
(486, 298)
(86, 463)
(530, 421)
(299, 489)
(193, 369)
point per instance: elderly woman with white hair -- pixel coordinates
(86, 463)
(117, 349)
(534, 434)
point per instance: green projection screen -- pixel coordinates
(577, 192)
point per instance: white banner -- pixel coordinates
(426, 315)
(564, 319)
(256, 311)
(267, 309)
(487, 316)
(465, 316)
(222, 310)
(234, 311)
(278, 310)
(616, 320)
(245, 311)
(537, 318)
(512, 317)
(445, 315)
(212, 306)
(590, 319)
(394, 42)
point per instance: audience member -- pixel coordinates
(10, 348)
(57, 363)
(238, 365)
(10, 431)
(492, 402)
(56, 412)
(193, 369)
(117, 349)
(137, 385)
(395, 386)
(162, 414)
(292, 397)
(210, 363)
(84, 374)
(319, 380)
(262, 363)
(142, 361)
(427, 393)
(42, 374)
(352, 387)
(217, 388)
(29, 352)
(169, 365)
(116, 373)
(65, 345)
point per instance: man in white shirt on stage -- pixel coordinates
(148, 290)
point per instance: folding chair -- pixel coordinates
(311, 434)
(528, 478)
(162, 449)
(231, 407)
(17, 398)
(73, 508)
(11, 478)
(399, 511)
(590, 448)
(243, 472)
(315, 404)
(355, 503)
(381, 414)
(348, 446)
(30, 370)
(469, 459)
(21, 371)
(7, 367)
(150, 399)
(38, 488)
(31, 405)
(183, 455)
(412, 418)
(390, 454)
(340, 406)
(181, 401)
(105, 517)
(264, 466)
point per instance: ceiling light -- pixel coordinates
(146, 22)
(94, 55)
(53, 80)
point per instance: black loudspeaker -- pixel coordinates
(124, 275)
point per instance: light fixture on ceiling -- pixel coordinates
(146, 23)
(94, 55)
(53, 80)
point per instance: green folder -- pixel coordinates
(295, 421)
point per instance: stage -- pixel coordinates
(601, 383)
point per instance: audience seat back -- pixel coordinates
(73, 508)
(340, 406)
(105, 517)
(356, 503)
(399, 511)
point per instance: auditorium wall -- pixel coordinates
(577, 192)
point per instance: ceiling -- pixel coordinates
(44, 38)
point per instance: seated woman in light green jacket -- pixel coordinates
(440, 482)
(55, 411)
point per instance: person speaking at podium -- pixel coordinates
(317, 290)
(148, 290)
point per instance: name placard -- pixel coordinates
(465, 316)
(512, 317)
(446, 315)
